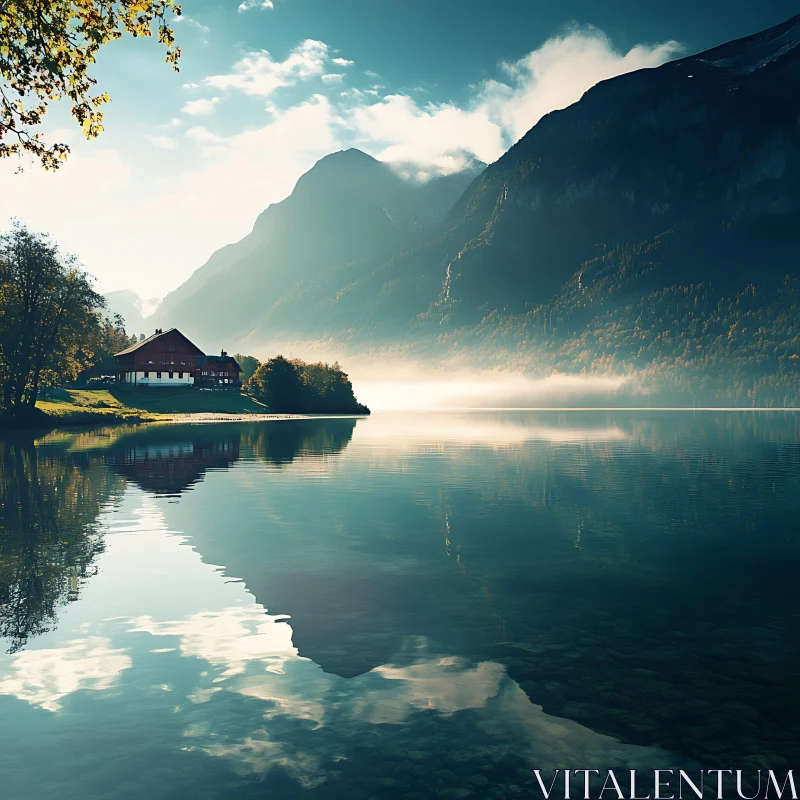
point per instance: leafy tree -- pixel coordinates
(249, 365)
(48, 505)
(328, 389)
(47, 317)
(278, 383)
(105, 339)
(294, 386)
(46, 50)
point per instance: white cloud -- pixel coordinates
(435, 135)
(333, 77)
(189, 206)
(89, 173)
(193, 23)
(247, 172)
(191, 85)
(200, 106)
(559, 72)
(162, 142)
(204, 136)
(342, 62)
(258, 74)
(247, 5)
(251, 169)
(440, 136)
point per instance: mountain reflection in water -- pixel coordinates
(406, 603)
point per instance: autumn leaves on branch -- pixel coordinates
(46, 50)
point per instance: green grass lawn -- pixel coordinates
(186, 401)
(79, 406)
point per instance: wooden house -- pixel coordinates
(217, 372)
(168, 358)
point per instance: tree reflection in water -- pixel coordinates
(52, 490)
(48, 505)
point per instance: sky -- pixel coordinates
(188, 160)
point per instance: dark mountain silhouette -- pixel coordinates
(696, 163)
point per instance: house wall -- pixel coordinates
(139, 379)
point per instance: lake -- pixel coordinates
(407, 605)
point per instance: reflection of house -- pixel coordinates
(168, 358)
(171, 467)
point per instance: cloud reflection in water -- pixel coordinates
(44, 677)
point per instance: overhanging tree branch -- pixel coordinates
(46, 50)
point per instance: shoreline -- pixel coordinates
(53, 422)
(89, 417)
(85, 408)
(201, 417)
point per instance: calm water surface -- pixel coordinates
(402, 606)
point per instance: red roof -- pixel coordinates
(150, 339)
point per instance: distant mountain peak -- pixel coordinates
(743, 56)
(347, 213)
(344, 170)
(349, 159)
(351, 154)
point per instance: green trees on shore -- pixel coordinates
(48, 317)
(52, 328)
(249, 365)
(49, 502)
(53, 332)
(294, 386)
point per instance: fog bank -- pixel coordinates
(410, 386)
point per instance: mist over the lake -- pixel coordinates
(420, 388)
(389, 380)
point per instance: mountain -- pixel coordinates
(696, 162)
(650, 229)
(349, 210)
(130, 307)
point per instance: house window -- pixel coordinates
(172, 375)
(158, 374)
(180, 374)
(146, 374)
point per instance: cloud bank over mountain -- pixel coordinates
(197, 180)
(500, 111)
